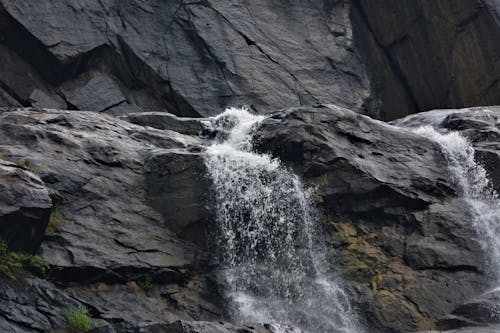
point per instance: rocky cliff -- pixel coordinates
(105, 200)
(383, 58)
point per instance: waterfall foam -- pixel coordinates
(472, 181)
(271, 252)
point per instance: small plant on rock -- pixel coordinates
(10, 262)
(27, 166)
(79, 319)
(146, 283)
(56, 218)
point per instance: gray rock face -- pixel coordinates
(425, 55)
(195, 58)
(473, 329)
(189, 58)
(32, 305)
(109, 232)
(132, 208)
(393, 218)
(25, 207)
(178, 188)
(484, 309)
(191, 327)
(97, 94)
(164, 120)
(480, 125)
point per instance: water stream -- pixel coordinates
(469, 176)
(271, 251)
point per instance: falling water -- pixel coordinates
(470, 178)
(271, 252)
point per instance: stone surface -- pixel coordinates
(481, 125)
(473, 329)
(484, 309)
(23, 82)
(108, 234)
(97, 94)
(429, 54)
(190, 327)
(25, 207)
(164, 120)
(395, 223)
(195, 58)
(191, 58)
(32, 305)
(130, 202)
(178, 188)
(132, 210)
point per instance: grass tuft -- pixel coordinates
(12, 262)
(79, 319)
(27, 166)
(146, 283)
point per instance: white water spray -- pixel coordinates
(471, 180)
(272, 256)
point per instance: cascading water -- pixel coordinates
(471, 179)
(272, 257)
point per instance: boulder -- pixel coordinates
(178, 187)
(395, 223)
(109, 233)
(480, 125)
(25, 207)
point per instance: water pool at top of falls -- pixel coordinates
(271, 251)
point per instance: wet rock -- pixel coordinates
(179, 189)
(480, 125)
(164, 120)
(473, 329)
(106, 229)
(25, 207)
(484, 309)
(354, 159)
(190, 327)
(389, 199)
(154, 301)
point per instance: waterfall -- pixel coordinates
(271, 252)
(471, 180)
